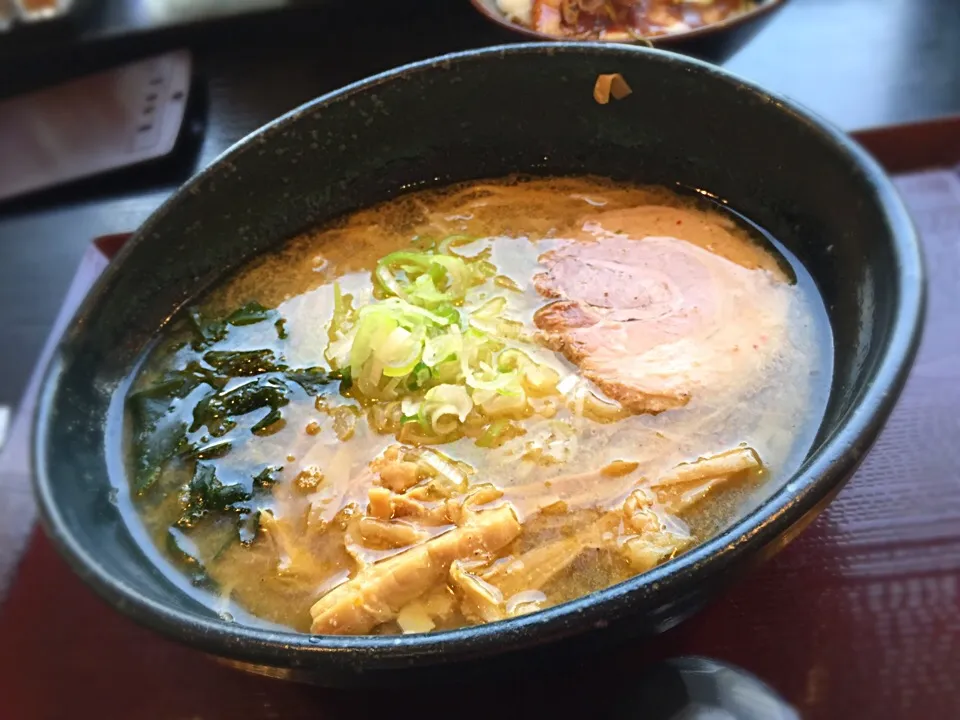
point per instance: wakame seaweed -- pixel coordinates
(188, 412)
(243, 363)
(207, 331)
(250, 363)
(205, 495)
(159, 430)
(216, 411)
(166, 412)
(312, 380)
(209, 451)
(252, 312)
(187, 560)
(267, 477)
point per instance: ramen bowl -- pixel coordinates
(480, 114)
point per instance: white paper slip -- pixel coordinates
(4, 423)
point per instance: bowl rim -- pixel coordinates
(766, 7)
(802, 495)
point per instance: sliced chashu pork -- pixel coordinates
(654, 319)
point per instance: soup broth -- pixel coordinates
(471, 403)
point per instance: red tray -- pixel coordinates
(857, 618)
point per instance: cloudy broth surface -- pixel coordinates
(416, 418)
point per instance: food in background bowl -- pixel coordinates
(473, 403)
(620, 20)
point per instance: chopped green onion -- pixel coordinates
(485, 269)
(443, 347)
(389, 282)
(491, 436)
(406, 314)
(502, 328)
(490, 380)
(507, 283)
(401, 352)
(539, 379)
(443, 406)
(341, 330)
(424, 292)
(411, 349)
(491, 309)
(498, 403)
(448, 477)
(452, 241)
(410, 407)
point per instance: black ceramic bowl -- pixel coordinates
(479, 114)
(715, 42)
